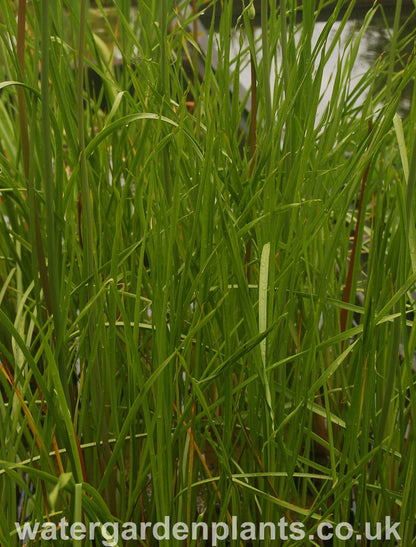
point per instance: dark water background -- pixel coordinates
(375, 43)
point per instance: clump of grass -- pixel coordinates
(149, 364)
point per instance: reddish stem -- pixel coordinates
(348, 285)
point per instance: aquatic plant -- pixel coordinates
(206, 307)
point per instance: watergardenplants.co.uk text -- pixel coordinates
(111, 532)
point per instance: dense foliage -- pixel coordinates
(204, 310)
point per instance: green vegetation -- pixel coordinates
(179, 327)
